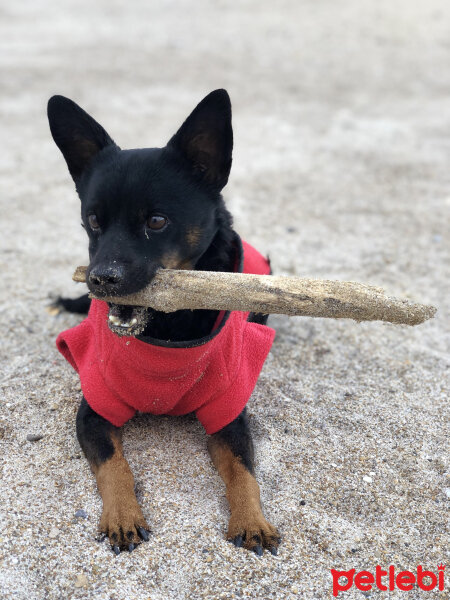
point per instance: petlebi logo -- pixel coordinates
(388, 579)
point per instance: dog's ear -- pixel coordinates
(77, 134)
(206, 139)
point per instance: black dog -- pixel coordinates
(144, 210)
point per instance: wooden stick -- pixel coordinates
(172, 290)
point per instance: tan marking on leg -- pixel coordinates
(121, 512)
(242, 491)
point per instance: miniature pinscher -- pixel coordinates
(144, 210)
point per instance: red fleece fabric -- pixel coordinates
(214, 378)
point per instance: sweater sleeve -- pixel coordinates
(226, 405)
(78, 347)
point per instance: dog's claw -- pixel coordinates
(238, 541)
(143, 533)
(274, 550)
(258, 550)
(116, 550)
(131, 547)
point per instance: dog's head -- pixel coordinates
(149, 208)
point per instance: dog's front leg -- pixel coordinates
(122, 519)
(231, 450)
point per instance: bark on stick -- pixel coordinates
(172, 290)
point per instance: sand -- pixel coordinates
(341, 171)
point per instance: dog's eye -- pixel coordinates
(93, 222)
(157, 222)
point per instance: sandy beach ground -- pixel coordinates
(341, 115)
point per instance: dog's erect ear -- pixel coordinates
(206, 138)
(77, 134)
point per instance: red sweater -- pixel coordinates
(213, 376)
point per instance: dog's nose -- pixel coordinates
(106, 276)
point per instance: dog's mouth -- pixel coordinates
(127, 320)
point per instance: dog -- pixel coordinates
(144, 210)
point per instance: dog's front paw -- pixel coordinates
(125, 526)
(252, 531)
